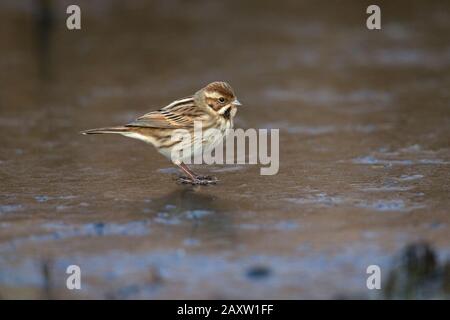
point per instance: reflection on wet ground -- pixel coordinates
(364, 151)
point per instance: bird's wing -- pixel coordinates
(179, 114)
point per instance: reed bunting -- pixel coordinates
(213, 106)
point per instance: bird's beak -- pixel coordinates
(236, 102)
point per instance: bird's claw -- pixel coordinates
(198, 180)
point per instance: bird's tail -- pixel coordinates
(107, 130)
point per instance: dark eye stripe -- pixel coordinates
(226, 114)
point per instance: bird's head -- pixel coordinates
(219, 97)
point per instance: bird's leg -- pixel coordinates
(193, 177)
(188, 171)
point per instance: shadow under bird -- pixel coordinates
(214, 106)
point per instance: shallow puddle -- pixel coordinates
(364, 121)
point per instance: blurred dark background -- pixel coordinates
(364, 147)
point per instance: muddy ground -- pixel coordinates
(364, 121)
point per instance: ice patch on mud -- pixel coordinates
(323, 199)
(133, 228)
(197, 214)
(44, 198)
(406, 177)
(60, 231)
(8, 208)
(400, 184)
(229, 168)
(191, 242)
(175, 218)
(280, 226)
(170, 170)
(326, 129)
(165, 218)
(410, 155)
(373, 160)
(384, 205)
(432, 161)
(407, 162)
(318, 199)
(387, 188)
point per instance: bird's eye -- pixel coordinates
(222, 99)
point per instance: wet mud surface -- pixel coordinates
(364, 121)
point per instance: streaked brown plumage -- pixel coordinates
(214, 106)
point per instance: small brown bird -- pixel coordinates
(213, 106)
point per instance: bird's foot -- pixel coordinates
(209, 179)
(198, 180)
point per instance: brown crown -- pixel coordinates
(221, 87)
